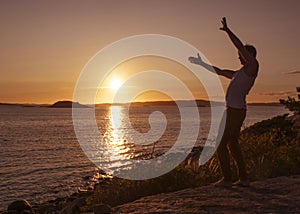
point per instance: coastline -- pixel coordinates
(273, 195)
(80, 198)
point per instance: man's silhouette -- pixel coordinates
(241, 82)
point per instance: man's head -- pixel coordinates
(251, 49)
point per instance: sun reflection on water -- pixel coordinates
(118, 149)
(115, 133)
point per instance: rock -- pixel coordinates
(46, 209)
(73, 207)
(102, 209)
(20, 206)
(274, 195)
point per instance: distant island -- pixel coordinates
(199, 103)
(67, 104)
(70, 104)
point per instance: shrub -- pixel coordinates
(291, 104)
(271, 147)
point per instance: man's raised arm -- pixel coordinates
(223, 72)
(248, 57)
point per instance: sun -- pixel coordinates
(115, 84)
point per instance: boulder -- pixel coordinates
(46, 209)
(73, 207)
(20, 206)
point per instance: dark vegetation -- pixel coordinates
(291, 104)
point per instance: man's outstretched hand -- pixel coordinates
(196, 60)
(224, 23)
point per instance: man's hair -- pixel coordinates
(251, 49)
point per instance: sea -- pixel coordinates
(41, 158)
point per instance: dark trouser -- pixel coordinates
(234, 121)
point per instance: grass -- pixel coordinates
(271, 148)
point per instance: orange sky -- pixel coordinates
(45, 44)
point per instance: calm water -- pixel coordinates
(40, 158)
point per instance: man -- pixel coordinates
(241, 82)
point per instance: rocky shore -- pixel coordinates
(274, 195)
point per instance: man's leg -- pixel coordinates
(222, 151)
(234, 145)
(224, 160)
(237, 155)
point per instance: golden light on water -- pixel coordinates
(115, 134)
(115, 116)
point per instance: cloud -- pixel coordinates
(293, 72)
(279, 93)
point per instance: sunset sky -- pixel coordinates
(45, 44)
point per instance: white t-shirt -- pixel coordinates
(238, 89)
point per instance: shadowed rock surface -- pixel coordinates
(275, 195)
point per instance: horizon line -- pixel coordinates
(137, 102)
